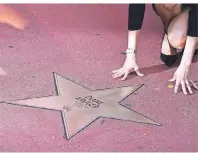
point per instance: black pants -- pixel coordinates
(136, 17)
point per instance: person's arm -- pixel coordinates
(181, 74)
(192, 35)
(135, 21)
(190, 47)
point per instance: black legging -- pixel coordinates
(136, 17)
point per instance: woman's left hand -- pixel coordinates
(181, 77)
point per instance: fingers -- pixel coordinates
(136, 69)
(125, 72)
(125, 75)
(183, 88)
(185, 85)
(194, 85)
(173, 79)
(139, 73)
(118, 74)
(177, 83)
(176, 86)
(115, 71)
(188, 86)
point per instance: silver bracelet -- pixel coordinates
(129, 51)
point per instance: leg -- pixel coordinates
(167, 12)
(177, 30)
(168, 52)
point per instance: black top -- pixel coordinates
(136, 16)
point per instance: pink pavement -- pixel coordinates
(83, 43)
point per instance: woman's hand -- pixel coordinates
(129, 66)
(181, 74)
(181, 78)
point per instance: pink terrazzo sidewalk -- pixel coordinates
(83, 43)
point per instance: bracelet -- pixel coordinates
(129, 51)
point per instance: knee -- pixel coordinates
(169, 6)
(176, 42)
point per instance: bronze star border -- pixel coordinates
(81, 106)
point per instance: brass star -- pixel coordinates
(81, 106)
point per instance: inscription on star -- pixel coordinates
(89, 101)
(84, 102)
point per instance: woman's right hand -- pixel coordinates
(129, 66)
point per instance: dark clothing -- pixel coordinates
(136, 17)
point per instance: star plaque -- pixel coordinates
(81, 106)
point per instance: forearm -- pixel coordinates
(135, 21)
(132, 39)
(190, 47)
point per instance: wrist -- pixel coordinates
(130, 51)
(187, 58)
(185, 63)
